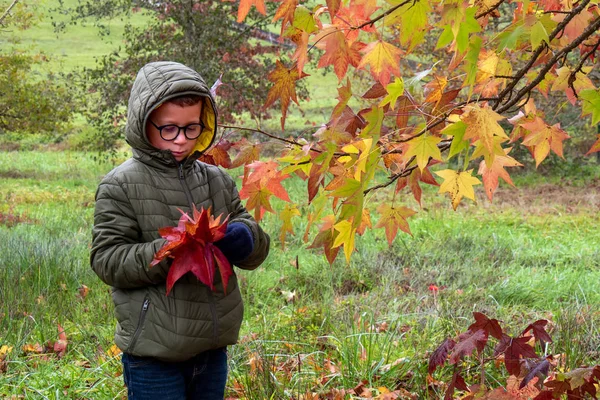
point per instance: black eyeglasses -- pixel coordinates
(171, 131)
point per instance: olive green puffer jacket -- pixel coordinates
(144, 194)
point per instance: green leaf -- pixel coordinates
(458, 144)
(304, 20)
(538, 35)
(471, 60)
(590, 103)
(510, 37)
(394, 90)
(422, 148)
(468, 26)
(445, 38)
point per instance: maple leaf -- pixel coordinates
(482, 124)
(517, 348)
(300, 38)
(435, 89)
(458, 184)
(284, 87)
(60, 346)
(285, 12)
(490, 175)
(384, 60)
(539, 370)
(218, 154)
(394, 90)
(539, 331)
(490, 326)
(346, 235)
(286, 216)
(258, 199)
(247, 153)
(413, 180)
(190, 245)
(467, 343)
(325, 239)
(339, 52)
(245, 5)
(393, 218)
(544, 138)
(266, 175)
(439, 355)
(344, 95)
(576, 25)
(333, 6)
(590, 103)
(422, 148)
(457, 382)
(595, 147)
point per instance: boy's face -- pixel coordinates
(170, 113)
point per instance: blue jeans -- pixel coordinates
(202, 377)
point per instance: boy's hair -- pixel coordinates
(186, 100)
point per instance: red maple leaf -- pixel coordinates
(191, 246)
(539, 330)
(467, 343)
(439, 356)
(218, 155)
(517, 349)
(490, 326)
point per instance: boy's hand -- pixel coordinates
(238, 242)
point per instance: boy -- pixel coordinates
(174, 347)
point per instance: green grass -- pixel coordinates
(314, 328)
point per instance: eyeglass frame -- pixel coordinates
(179, 128)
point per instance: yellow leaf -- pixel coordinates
(384, 60)
(4, 350)
(422, 148)
(487, 65)
(346, 235)
(114, 351)
(286, 216)
(458, 184)
(392, 219)
(482, 124)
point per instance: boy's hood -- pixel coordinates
(157, 82)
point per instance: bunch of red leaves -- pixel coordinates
(191, 246)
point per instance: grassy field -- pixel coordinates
(531, 254)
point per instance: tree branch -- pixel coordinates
(591, 29)
(489, 10)
(385, 14)
(536, 54)
(292, 142)
(8, 10)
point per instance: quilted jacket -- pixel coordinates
(144, 194)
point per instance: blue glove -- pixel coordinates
(238, 243)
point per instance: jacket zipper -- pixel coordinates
(138, 330)
(213, 311)
(186, 188)
(211, 298)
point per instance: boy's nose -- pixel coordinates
(180, 139)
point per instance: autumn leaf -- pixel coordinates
(60, 346)
(383, 59)
(595, 147)
(439, 355)
(393, 218)
(284, 88)
(191, 246)
(468, 342)
(517, 349)
(457, 382)
(339, 52)
(538, 328)
(482, 124)
(285, 12)
(458, 184)
(490, 326)
(490, 175)
(218, 154)
(412, 181)
(422, 148)
(324, 239)
(258, 199)
(544, 138)
(247, 153)
(266, 175)
(286, 216)
(394, 90)
(346, 234)
(245, 5)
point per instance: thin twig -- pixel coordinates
(591, 29)
(8, 10)
(536, 54)
(292, 142)
(385, 14)
(489, 10)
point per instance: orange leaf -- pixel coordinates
(595, 147)
(544, 138)
(338, 51)
(392, 219)
(384, 60)
(284, 88)
(247, 152)
(258, 199)
(218, 155)
(285, 12)
(491, 175)
(244, 8)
